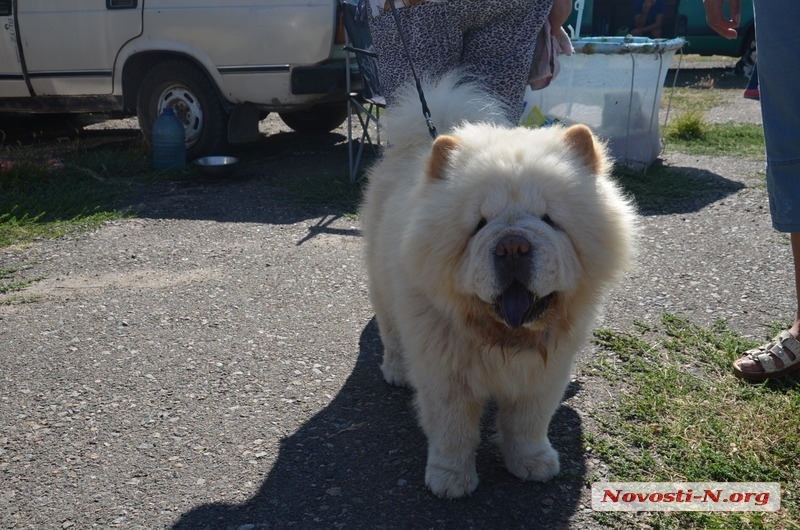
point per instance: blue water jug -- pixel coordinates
(169, 141)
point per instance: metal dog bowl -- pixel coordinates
(216, 166)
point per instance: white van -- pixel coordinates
(220, 65)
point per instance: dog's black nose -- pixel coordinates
(512, 247)
(513, 258)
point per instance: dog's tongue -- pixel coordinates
(515, 304)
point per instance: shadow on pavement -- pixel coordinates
(283, 178)
(359, 463)
(666, 190)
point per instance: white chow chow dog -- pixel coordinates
(489, 252)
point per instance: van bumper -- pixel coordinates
(327, 78)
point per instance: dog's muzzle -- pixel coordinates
(513, 261)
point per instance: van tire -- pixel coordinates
(316, 120)
(189, 92)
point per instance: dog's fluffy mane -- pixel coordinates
(453, 99)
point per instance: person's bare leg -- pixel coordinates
(748, 365)
(795, 329)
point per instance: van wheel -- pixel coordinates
(316, 120)
(192, 97)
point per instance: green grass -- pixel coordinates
(42, 200)
(688, 99)
(39, 200)
(7, 282)
(688, 132)
(10, 282)
(688, 126)
(691, 135)
(680, 415)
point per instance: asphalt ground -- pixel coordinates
(213, 363)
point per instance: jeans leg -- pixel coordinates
(778, 42)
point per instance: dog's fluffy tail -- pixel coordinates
(453, 99)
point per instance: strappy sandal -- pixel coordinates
(781, 347)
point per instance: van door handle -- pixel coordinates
(121, 4)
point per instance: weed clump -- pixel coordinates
(688, 126)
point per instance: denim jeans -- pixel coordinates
(778, 45)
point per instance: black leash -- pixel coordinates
(425, 110)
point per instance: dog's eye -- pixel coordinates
(549, 221)
(480, 225)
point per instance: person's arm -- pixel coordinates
(560, 12)
(716, 19)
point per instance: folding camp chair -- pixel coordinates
(365, 99)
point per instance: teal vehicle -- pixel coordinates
(685, 18)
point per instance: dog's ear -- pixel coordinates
(440, 154)
(581, 140)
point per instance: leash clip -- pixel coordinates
(431, 126)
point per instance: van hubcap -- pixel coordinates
(187, 108)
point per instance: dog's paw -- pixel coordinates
(394, 372)
(532, 461)
(451, 483)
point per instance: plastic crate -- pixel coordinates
(614, 86)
